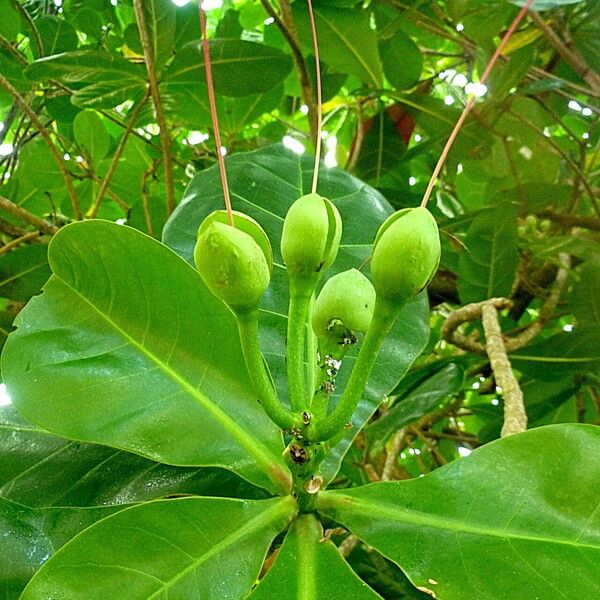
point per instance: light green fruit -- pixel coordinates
(311, 235)
(234, 262)
(406, 254)
(344, 307)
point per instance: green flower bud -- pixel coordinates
(406, 254)
(344, 307)
(311, 235)
(234, 262)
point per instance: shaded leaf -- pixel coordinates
(240, 68)
(23, 272)
(91, 135)
(487, 265)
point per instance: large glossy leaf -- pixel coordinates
(264, 184)
(309, 567)
(29, 536)
(518, 518)
(488, 263)
(126, 347)
(39, 469)
(240, 67)
(185, 549)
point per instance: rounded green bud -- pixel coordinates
(344, 307)
(234, 262)
(311, 235)
(406, 254)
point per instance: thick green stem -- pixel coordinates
(301, 293)
(384, 316)
(331, 355)
(248, 329)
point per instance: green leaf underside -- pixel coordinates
(264, 184)
(39, 469)
(143, 359)
(184, 549)
(309, 567)
(519, 518)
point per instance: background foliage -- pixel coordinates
(81, 136)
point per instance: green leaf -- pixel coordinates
(91, 135)
(487, 265)
(512, 520)
(585, 300)
(23, 272)
(264, 184)
(141, 358)
(57, 35)
(30, 536)
(40, 470)
(185, 549)
(10, 21)
(160, 22)
(310, 567)
(84, 66)
(346, 41)
(401, 59)
(418, 402)
(240, 68)
(562, 354)
(38, 167)
(546, 4)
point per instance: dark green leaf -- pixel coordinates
(346, 41)
(240, 68)
(185, 549)
(401, 59)
(10, 22)
(422, 400)
(127, 356)
(585, 298)
(23, 272)
(512, 520)
(57, 35)
(91, 135)
(309, 566)
(488, 262)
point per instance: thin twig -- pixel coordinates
(165, 140)
(51, 146)
(313, 27)
(114, 163)
(569, 55)
(36, 34)
(18, 241)
(286, 25)
(213, 112)
(471, 102)
(24, 215)
(515, 417)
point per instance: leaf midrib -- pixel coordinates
(281, 508)
(254, 447)
(373, 509)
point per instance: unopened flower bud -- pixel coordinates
(406, 254)
(311, 235)
(234, 262)
(344, 307)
